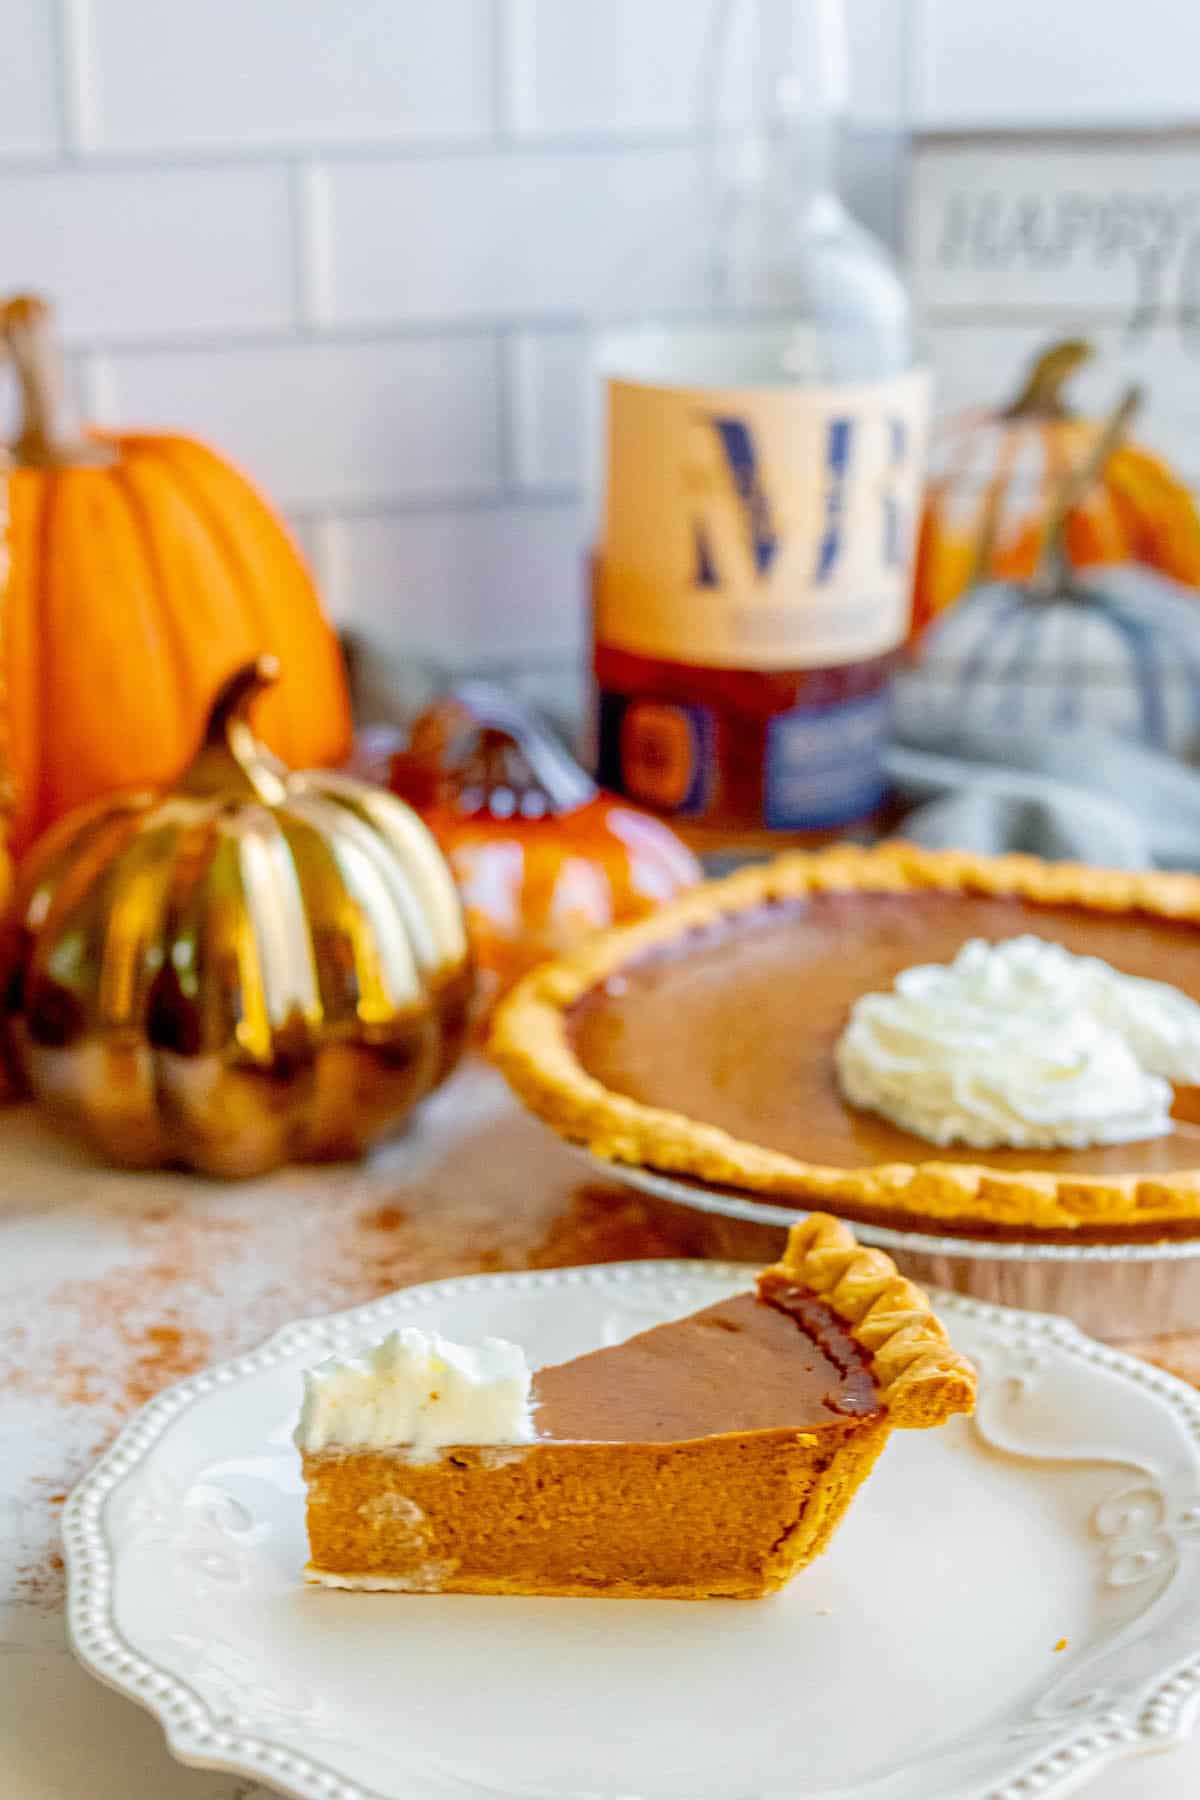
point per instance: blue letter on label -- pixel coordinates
(837, 463)
(740, 456)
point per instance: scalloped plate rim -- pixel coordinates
(1170, 1711)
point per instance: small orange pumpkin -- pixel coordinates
(542, 857)
(144, 570)
(992, 487)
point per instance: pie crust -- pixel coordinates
(531, 1043)
(922, 1379)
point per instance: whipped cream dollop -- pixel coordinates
(418, 1390)
(1021, 1045)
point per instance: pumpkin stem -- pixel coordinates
(236, 695)
(43, 441)
(228, 736)
(480, 751)
(1054, 575)
(1041, 395)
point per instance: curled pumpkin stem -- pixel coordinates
(237, 695)
(1041, 395)
(230, 759)
(1054, 574)
(43, 440)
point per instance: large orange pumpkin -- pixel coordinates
(994, 477)
(5, 772)
(144, 570)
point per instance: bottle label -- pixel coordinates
(760, 528)
(824, 765)
(658, 752)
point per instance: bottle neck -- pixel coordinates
(797, 156)
(776, 94)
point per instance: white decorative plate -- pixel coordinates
(915, 1661)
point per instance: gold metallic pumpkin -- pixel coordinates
(256, 967)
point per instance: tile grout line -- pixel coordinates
(207, 342)
(330, 558)
(98, 389)
(311, 242)
(506, 55)
(75, 76)
(102, 160)
(509, 413)
(351, 334)
(910, 39)
(530, 499)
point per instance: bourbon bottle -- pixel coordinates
(760, 451)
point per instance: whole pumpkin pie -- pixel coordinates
(711, 1040)
(709, 1457)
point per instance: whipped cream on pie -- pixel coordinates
(1021, 1045)
(418, 1390)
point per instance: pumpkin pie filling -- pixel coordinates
(780, 1362)
(735, 1023)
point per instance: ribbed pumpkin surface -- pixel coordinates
(144, 571)
(136, 588)
(253, 967)
(993, 481)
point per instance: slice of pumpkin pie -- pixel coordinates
(710, 1456)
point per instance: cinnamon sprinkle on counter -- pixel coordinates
(149, 1277)
(383, 1218)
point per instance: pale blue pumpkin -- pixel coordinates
(1114, 648)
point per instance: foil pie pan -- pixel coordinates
(1112, 1291)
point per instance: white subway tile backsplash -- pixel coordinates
(309, 202)
(319, 314)
(1082, 62)
(879, 67)
(231, 74)
(93, 385)
(354, 244)
(627, 65)
(461, 586)
(547, 375)
(331, 424)
(642, 65)
(151, 252)
(28, 79)
(467, 237)
(305, 533)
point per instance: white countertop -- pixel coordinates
(112, 1286)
